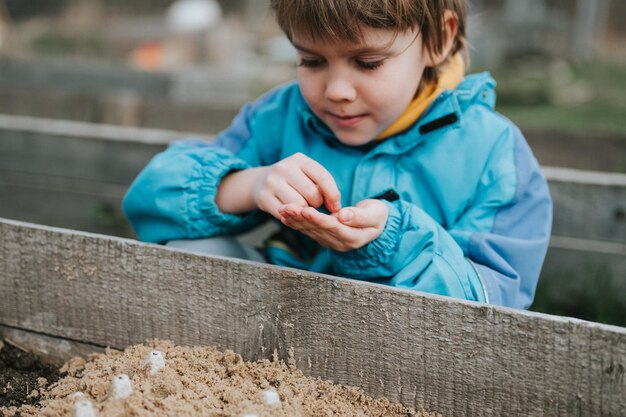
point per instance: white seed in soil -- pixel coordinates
(121, 387)
(77, 395)
(250, 415)
(271, 397)
(156, 361)
(84, 408)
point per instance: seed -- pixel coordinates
(121, 387)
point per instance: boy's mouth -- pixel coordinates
(346, 120)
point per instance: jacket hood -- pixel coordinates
(477, 88)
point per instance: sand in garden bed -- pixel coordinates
(202, 381)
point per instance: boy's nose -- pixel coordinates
(339, 87)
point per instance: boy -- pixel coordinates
(382, 163)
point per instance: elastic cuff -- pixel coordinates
(378, 252)
(208, 177)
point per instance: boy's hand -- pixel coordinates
(346, 230)
(296, 180)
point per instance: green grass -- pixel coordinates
(579, 97)
(584, 118)
(59, 43)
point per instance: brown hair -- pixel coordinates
(331, 20)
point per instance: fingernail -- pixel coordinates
(346, 215)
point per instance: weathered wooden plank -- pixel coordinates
(206, 118)
(65, 128)
(64, 202)
(459, 358)
(73, 150)
(578, 257)
(82, 77)
(592, 151)
(584, 279)
(51, 350)
(587, 204)
(118, 109)
(191, 85)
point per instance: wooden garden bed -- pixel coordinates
(458, 358)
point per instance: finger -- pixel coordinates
(318, 219)
(325, 182)
(270, 205)
(276, 185)
(330, 233)
(367, 213)
(296, 218)
(290, 210)
(288, 195)
(306, 188)
(355, 217)
(324, 229)
(291, 215)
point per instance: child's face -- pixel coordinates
(358, 90)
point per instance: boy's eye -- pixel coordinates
(370, 65)
(310, 63)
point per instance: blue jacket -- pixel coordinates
(469, 210)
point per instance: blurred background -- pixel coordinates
(90, 90)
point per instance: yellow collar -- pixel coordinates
(451, 76)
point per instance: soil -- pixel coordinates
(200, 381)
(22, 377)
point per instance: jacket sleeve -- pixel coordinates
(508, 255)
(493, 252)
(173, 197)
(413, 252)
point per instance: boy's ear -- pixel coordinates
(449, 26)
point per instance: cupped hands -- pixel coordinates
(348, 229)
